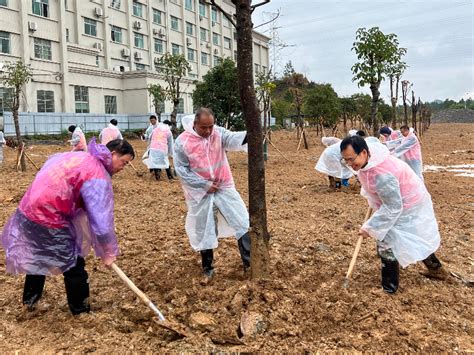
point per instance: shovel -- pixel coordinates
(356, 252)
(162, 322)
(138, 172)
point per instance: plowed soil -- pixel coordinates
(303, 305)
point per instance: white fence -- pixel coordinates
(34, 123)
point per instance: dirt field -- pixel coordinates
(303, 304)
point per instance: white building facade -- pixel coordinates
(98, 56)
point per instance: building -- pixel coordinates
(99, 56)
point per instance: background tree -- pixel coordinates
(348, 110)
(158, 96)
(376, 53)
(395, 71)
(265, 88)
(386, 112)
(322, 103)
(363, 103)
(280, 110)
(220, 92)
(15, 76)
(174, 67)
(405, 88)
(256, 175)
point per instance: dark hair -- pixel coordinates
(168, 122)
(71, 128)
(113, 121)
(121, 146)
(404, 128)
(361, 133)
(385, 130)
(356, 142)
(203, 111)
(152, 117)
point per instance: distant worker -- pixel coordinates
(391, 138)
(410, 151)
(160, 147)
(78, 140)
(2, 143)
(403, 223)
(215, 208)
(110, 132)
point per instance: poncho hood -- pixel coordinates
(378, 153)
(102, 153)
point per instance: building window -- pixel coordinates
(139, 42)
(174, 23)
(227, 42)
(45, 100)
(217, 60)
(214, 15)
(157, 16)
(90, 27)
(189, 29)
(235, 55)
(42, 49)
(5, 99)
(204, 36)
(137, 9)
(4, 42)
(264, 69)
(158, 45)
(140, 66)
(116, 34)
(41, 7)
(3, 2)
(115, 4)
(202, 9)
(110, 104)
(175, 50)
(191, 55)
(181, 106)
(188, 4)
(81, 98)
(257, 68)
(226, 22)
(67, 34)
(204, 58)
(215, 38)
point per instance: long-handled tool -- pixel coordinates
(133, 167)
(356, 252)
(177, 328)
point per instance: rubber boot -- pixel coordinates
(33, 289)
(435, 268)
(169, 174)
(207, 257)
(76, 281)
(157, 174)
(390, 275)
(244, 248)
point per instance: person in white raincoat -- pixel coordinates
(390, 137)
(403, 222)
(215, 208)
(329, 163)
(110, 133)
(78, 140)
(150, 128)
(410, 151)
(2, 142)
(159, 148)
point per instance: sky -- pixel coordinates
(317, 37)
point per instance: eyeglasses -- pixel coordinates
(348, 160)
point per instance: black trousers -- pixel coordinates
(76, 281)
(158, 173)
(207, 255)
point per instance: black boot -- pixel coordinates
(390, 275)
(169, 174)
(244, 248)
(207, 257)
(157, 174)
(33, 289)
(76, 281)
(435, 268)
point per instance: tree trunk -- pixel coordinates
(413, 110)
(393, 100)
(174, 113)
(16, 121)
(256, 174)
(374, 88)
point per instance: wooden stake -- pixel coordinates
(31, 161)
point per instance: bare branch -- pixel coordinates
(226, 14)
(266, 23)
(253, 7)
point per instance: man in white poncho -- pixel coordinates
(409, 150)
(403, 222)
(2, 143)
(110, 133)
(215, 208)
(159, 148)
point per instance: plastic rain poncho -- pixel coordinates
(329, 162)
(403, 218)
(2, 143)
(327, 141)
(410, 152)
(159, 148)
(393, 140)
(148, 131)
(78, 141)
(199, 162)
(109, 133)
(68, 208)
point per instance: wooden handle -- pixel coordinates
(137, 291)
(133, 166)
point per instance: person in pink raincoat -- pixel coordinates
(403, 222)
(410, 151)
(159, 148)
(78, 140)
(68, 208)
(110, 132)
(390, 137)
(215, 208)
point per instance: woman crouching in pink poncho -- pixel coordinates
(68, 208)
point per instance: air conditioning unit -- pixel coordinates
(98, 46)
(189, 41)
(125, 52)
(208, 45)
(156, 32)
(156, 60)
(138, 56)
(32, 26)
(201, 18)
(137, 25)
(99, 12)
(216, 51)
(117, 68)
(213, 23)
